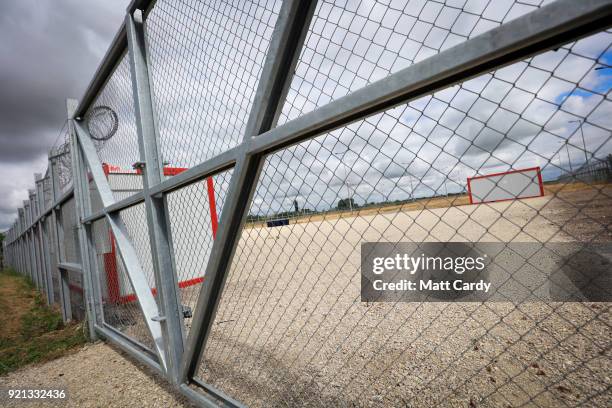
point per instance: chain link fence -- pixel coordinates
(202, 100)
(195, 214)
(231, 171)
(352, 44)
(119, 301)
(63, 160)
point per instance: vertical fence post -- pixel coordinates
(44, 238)
(83, 209)
(158, 222)
(22, 245)
(25, 245)
(5, 258)
(285, 46)
(19, 240)
(24, 242)
(31, 236)
(11, 249)
(33, 243)
(28, 241)
(93, 274)
(37, 231)
(16, 242)
(56, 214)
(42, 244)
(18, 263)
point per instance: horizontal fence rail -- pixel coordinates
(213, 198)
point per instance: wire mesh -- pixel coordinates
(72, 254)
(63, 160)
(205, 59)
(52, 251)
(40, 260)
(34, 205)
(135, 221)
(351, 44)
(47, 192)
(76, 297)
(291, 329)
(111, 122)
(195, 213)
(72, 250)
(34, 246)
(120, 304)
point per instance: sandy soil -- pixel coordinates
(291, 330)
(98, 375)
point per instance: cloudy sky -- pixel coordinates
(205, 60)
(49, 51)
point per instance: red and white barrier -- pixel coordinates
(510, 185)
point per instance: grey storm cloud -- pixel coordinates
(49, 51)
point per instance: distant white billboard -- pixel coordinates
(511, 185)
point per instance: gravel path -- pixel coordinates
(98, 375)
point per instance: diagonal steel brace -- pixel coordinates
(136, 275)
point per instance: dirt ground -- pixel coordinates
(94, 375)
(30, 330)
(291, 330)
(98, 375)
(13, 305)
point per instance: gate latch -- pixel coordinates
(187, 312)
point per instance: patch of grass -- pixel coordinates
(31, 331)
(40, 319)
